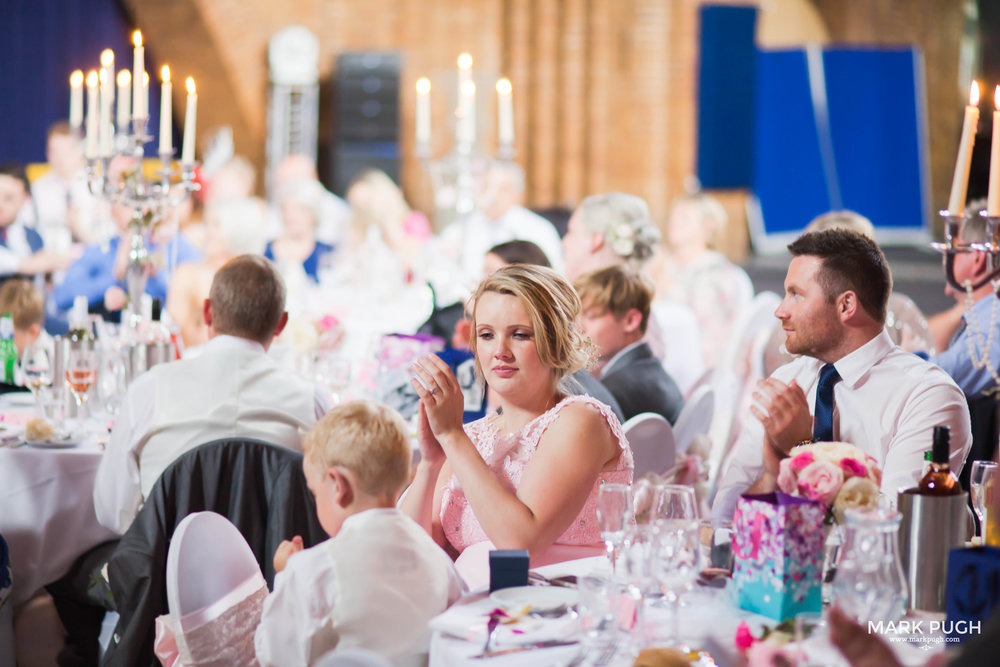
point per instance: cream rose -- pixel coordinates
(856, 492)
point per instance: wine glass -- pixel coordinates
(981, 482)
(675, 501)
(81, 374)
(614, 513)
(36, 366)
(676, 564)
(332, 373)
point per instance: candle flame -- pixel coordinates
(137, 38)
(91, 79)
(190, 85)
(107, 58)
(468, 88)
(76, 79)
(423, 85)
(465, 61)
(504, 87)
(124, 78)
(165, 74)
(145, 79)
(974, 95)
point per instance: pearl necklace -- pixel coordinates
(979, 352)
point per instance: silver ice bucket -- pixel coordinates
(931, 527)
(140, 357)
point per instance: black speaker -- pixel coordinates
(351, 158)
(366, 90)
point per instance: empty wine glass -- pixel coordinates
(36, 366)
(332, 373)
(675, 501)
(614, 513)
(676, 564)
(981, 482)
(81, 374)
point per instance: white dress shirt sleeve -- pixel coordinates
(935, 403)
(117, 488)
(10, 261)
(296, 625)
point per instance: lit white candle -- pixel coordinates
(145, 94)
(76, 100)
(124, 101)
(166, 126)
(187, 154)
(993, 200)
(92, 115)
(107, 79)
(423, 114)
(464, 70)
(138, 76)
(505, 113)
(467, 114)
(960, 181)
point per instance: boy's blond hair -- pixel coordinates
(23, 301)
(366, 438)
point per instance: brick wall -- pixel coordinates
(604, 89)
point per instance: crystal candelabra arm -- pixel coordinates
(953, 225)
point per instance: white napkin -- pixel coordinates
(469, 621)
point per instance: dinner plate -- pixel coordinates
(65, 443)
(538, 598)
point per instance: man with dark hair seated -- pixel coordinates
(20, 247)
(861, 387)
(233, 388)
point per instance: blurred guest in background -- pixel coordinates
(21, 248)
(26, 305)
(298, 245)
(704, 280)
(65, 211)
(333, 214)
(607, 230)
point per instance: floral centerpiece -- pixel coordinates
(837, 474)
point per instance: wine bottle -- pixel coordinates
(940, 480)
(8, 351)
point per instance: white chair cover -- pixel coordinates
(215, 592)
(652, 442)
(674, 336)
(695, 418)
(352, 657)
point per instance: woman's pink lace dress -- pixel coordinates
(507, 456)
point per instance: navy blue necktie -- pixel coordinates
(823, 423)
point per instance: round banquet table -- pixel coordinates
(708, 621)
(46, 508)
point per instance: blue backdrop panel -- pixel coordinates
(868, 106)
(41, 43)
(877, 128)
(725, 96)
(787, 166)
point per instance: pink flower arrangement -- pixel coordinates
(837, 474)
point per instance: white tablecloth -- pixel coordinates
(708, 620)
(47, 511)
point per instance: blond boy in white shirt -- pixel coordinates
(379, 579)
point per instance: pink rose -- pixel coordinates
(820, 481)
(800, 461)
(853, 467)
(787, 480)
(744, 638)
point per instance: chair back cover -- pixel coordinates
(652, 441)
(257, 486)
(695, 417)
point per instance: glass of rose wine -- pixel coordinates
(81, 374)
(981, 481)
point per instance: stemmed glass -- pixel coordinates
(981, 482)
(36, 366)
(81, 374)
(332, 373)
(676, 564)
(614, 513)
(675, 501)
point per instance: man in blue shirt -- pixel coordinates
(99, 274)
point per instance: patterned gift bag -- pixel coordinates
(396, 353)
(778, 549)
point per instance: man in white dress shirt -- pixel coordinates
(232, 389)
(884, 400)
(499, 218)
